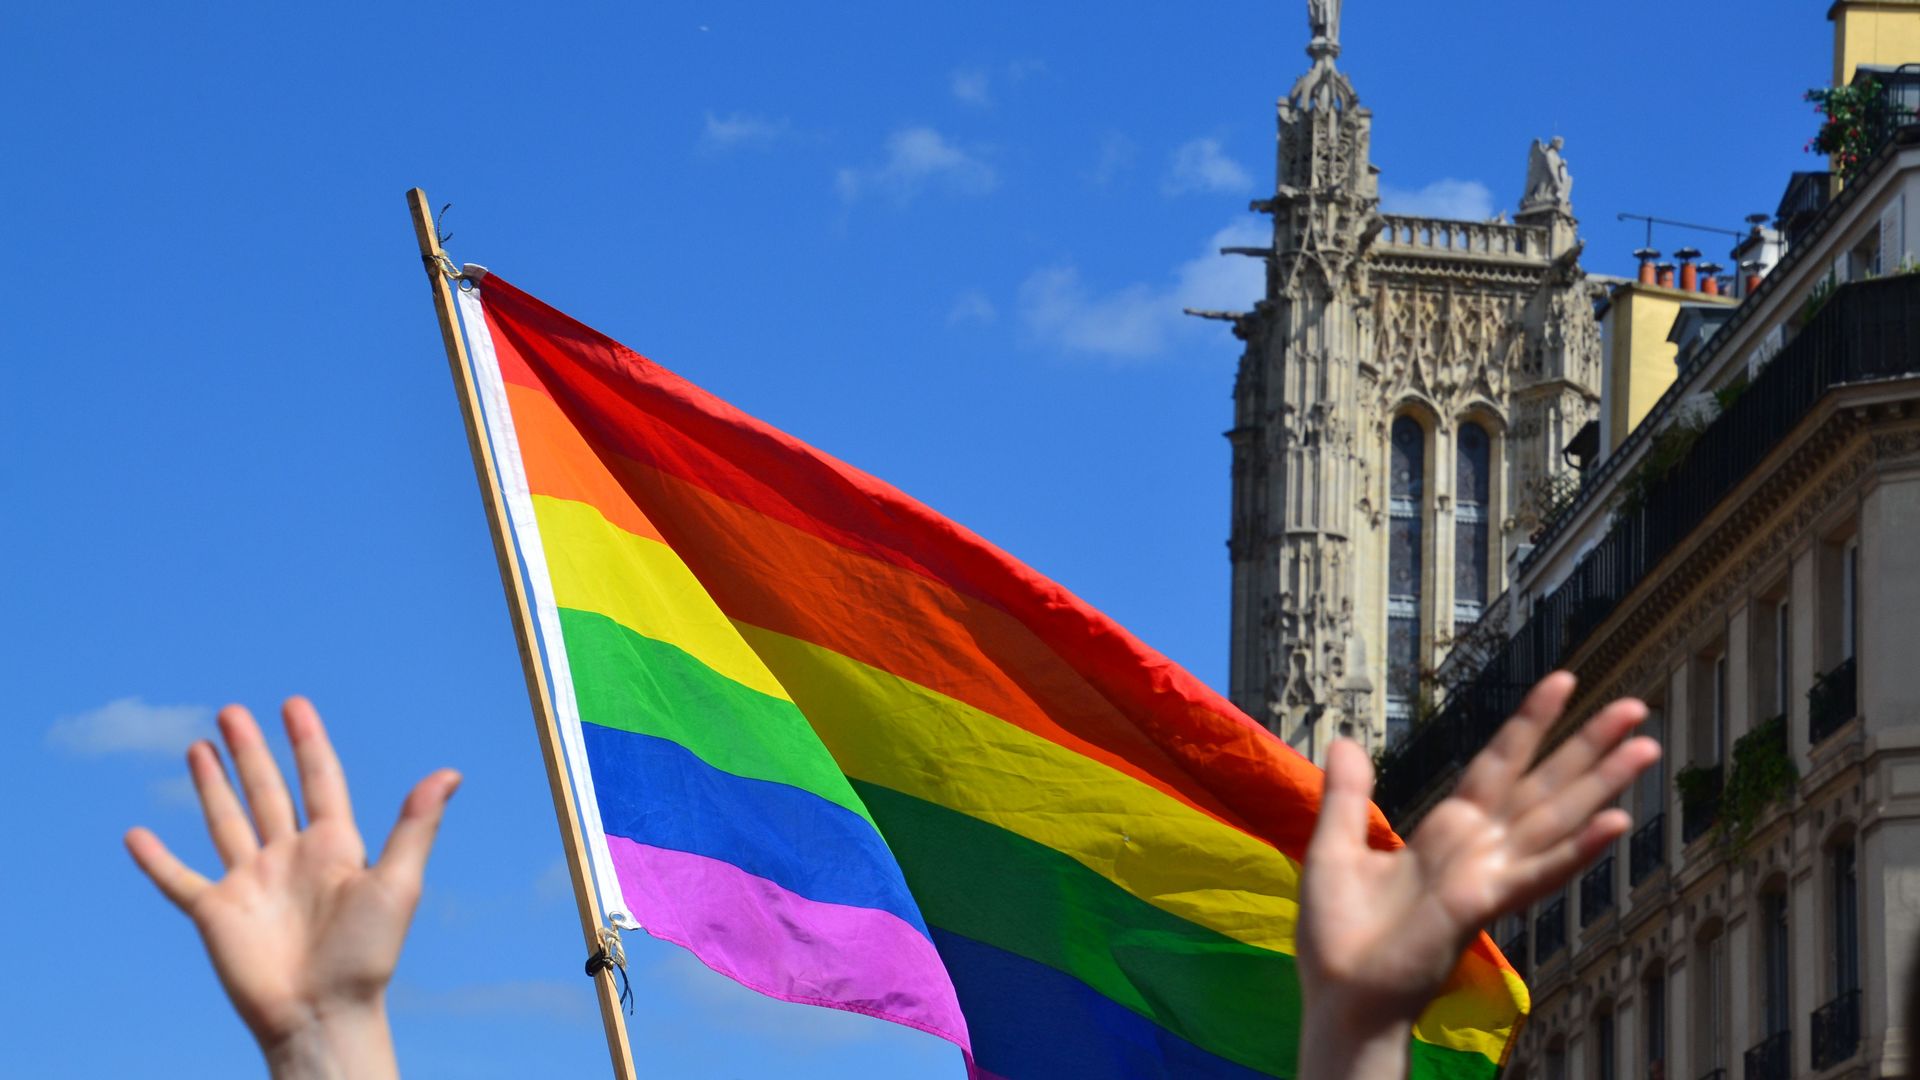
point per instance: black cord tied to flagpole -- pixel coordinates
(611, 955)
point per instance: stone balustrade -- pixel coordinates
(1463, 237)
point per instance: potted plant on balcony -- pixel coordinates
(1763, 773)
(1851, 124)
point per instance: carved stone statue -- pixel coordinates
(1323, 20)
(1548, 183)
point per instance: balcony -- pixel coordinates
(1772, 1059)
(1596, 892)
(1806, 195)
(1515, 950)
(1646, 850)
(1550, 929)
(1836, 1030)
(1700, 808)
(1833, 700)
(1868, 330)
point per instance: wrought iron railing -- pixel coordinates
(1771, 1058)
(1646, 849)
(1701, 808)
(1833, 700)
(1596, 892)
(1550, 929)
(1515, 950)
(1868, 330)
(1836, 1030)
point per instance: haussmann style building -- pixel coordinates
(1741, 550)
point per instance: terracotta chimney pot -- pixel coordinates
(1689, 274)
(1646, 257)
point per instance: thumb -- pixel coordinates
(1344, 801)
(404, 860)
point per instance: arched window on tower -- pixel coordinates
(1472, 483)
(1406, 509)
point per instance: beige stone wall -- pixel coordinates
(1860, 784)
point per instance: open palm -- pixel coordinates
(1380, 931)
(303, 932)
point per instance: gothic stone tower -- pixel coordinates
(1407, 389)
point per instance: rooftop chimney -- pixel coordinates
(1663, 276)
(1710, 285)
(1646, 257)
(1689, 274)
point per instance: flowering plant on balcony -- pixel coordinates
(1856, 119)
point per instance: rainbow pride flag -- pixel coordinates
(850, 754)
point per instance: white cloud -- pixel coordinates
(1139, 321)
(971, 306)
(680, 974)
(738, 130)
(568, 1002)
(174, 791)
(554, 883)
(970, 86)
(1201, 165)
(918, 157)
(131, 726)
(1116, 156)
(1460, 200)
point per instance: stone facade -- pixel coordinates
(1369, 318)
(1773, 937)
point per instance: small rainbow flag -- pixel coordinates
(850, 754)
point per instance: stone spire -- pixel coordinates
(1296, 668)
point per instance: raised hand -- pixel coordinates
(303, 933)
(1380, 931)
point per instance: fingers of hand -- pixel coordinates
(1493, 771)
(1575, 758)
(1550, 869)
(1344, 801)
(227, 823)
(404, 861)
(259, 775)
(175, 880)
(1566, 812)
(323, 784)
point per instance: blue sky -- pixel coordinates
(948, 246)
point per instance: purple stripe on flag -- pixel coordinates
(751, 930)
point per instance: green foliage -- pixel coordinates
(1763, 773)
(1668, 449)
(1817, 298)
(1697, 785)
(1730, 393)
(1552, 494)
(1853, 123)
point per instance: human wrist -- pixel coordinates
(336, 1043)
(1345, 1039)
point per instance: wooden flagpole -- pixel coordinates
(523, 628)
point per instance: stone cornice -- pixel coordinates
(1398, 264)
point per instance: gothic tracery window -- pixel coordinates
(1406, 510)
(1472, 485)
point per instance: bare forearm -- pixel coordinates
(1335, 1045)
(337, 1046)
